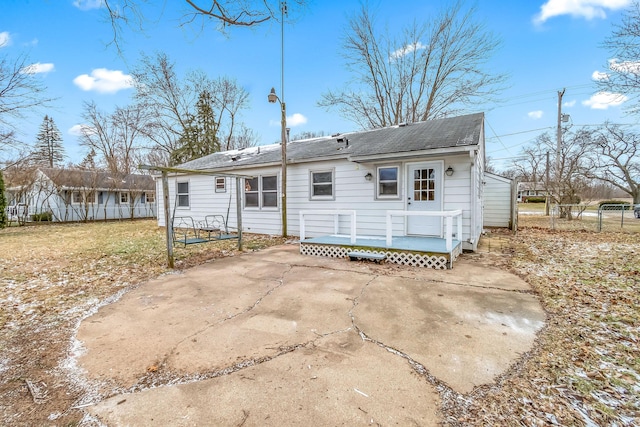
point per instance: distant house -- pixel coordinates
(417, 180)
(530, 189)
(55, 194)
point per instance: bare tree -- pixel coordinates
(433, 70)
(530, 166)
(21, 91)
(174, 102)
(623, 70)
(614, 158)
(115, 137)
(170, 99)
(224, 13)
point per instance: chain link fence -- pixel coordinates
(597, 218)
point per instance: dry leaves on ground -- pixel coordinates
(51, 277)
(585, 367)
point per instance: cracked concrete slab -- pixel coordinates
(278, 338)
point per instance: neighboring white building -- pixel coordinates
(436, 165)
(78, 195)
(499, 204)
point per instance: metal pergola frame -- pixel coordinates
(165, 194)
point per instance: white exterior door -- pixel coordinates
(425, 194)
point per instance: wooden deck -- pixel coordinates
(420, 251)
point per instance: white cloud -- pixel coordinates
(104, 81)
(5, 39)
(588, 9)
(296, 119)
(631, 67)
(569, 103)
(535, 114)
(79, 130)
(88, 4)
(38, 68)
(410, 48)
(604, 100)
(599, 75)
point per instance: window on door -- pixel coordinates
(424, 184)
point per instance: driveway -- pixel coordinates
(278, 338)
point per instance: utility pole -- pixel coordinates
(559, 134)
(547, 200)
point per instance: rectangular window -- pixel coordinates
(150, 197)
(90, 197)
(251, 199)
(261, 192)
(76, 198)
(388, 182)
(124, 198)
(221, 185)
(322, 185)
(183, 194)
(270, 191)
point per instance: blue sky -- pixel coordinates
(546, 46)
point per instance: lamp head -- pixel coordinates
(272, 95)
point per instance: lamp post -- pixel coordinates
(283, 141)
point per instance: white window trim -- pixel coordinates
(224, 184)
(398, 194)
(188, 194)
(73, 197)
(120, 202)
(146, 196)
(333, 184)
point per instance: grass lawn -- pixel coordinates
(583, 370)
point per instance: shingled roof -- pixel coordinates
(463, 132)
(77, 178)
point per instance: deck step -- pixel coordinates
(366, 255)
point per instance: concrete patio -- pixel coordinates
(278, 338)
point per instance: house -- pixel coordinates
(59, 194)
(531, 189)
(411, 180)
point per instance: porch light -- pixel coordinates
(368, 176)
(449, 171)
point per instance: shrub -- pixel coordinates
(615, 202)
(42, 216)
(535, 199)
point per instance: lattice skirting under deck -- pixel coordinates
(437, 261)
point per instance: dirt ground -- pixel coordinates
(583, 370)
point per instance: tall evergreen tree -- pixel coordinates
(48, 150)
(3, 204)
(200, 136)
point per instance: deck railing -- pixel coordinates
(448, 220)
(336, 221)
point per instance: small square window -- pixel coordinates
(124, 198)
(322, 185)
(76, 198)
(90, 197)
(150, 197)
